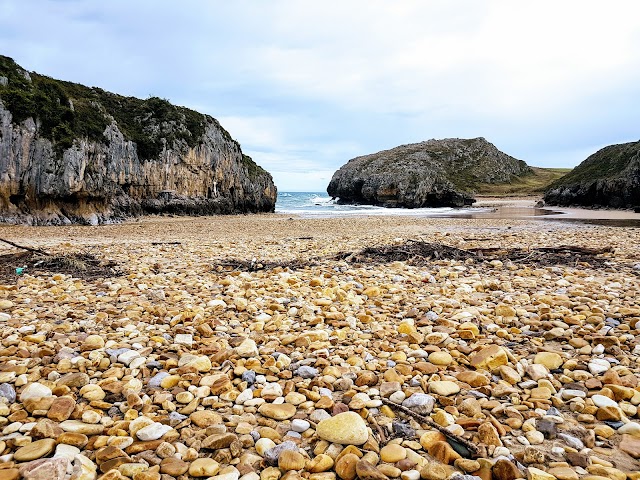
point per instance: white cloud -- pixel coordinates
(306, 86)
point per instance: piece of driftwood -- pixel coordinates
(28, 249)
(383, 437)
(575, 249)
(472, 447)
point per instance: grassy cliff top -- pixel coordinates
(66, 111)
(609, 162)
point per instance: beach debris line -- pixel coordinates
(419, 253)
(82, 265)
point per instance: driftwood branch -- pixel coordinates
(383, 437)
(575, 249)
(472, 447)
(29, 249)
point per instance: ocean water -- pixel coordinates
(319, 204)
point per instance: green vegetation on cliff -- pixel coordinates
(533, 183)
(610, 162)
(66, 111)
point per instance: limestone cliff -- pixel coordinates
(434, 173)
(73, 154)
(609, 178)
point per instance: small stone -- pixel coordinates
(551, 360)
(173, 466)
(563, 473)
(183, 339)
(420, 403)
(291, 460)
(45, 469)
(35, 390)
(272, 455)
(434, 471)
(598, 366)
(443, 452)
(488, 435)
(346, 428)
(205, 418)
(444, 387)
(467, 465)
(217, 441)
(535, 437)
(35, 450)
(68, 451)
(7, 392)
(307, 372)
(366, 471)
(631, 428)
(609, 414)
(299, 425)
(441, 358)
(92, 392)
(537, 474)
(489, 358)
(393, 453)
(505, 470)
(153, 431)
(204, 467)
(602, 401)
(281, 411)
(346, 466)
(248, 349)
(201, 363)
(61, 408)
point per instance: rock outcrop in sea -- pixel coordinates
(435, 173)
(609, 178)
(74, 154)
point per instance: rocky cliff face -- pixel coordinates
(609, 178)
(434, 173)
(71, 154)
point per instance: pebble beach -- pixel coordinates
(256, 348)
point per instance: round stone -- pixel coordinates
(393, 453)
(346, 428)
(440, 358)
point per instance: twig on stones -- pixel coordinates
(475, 449)
(29, 249)
(383, 437)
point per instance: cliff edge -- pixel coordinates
(74, 154)
(609, 178)
(435, 173)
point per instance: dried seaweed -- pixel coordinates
(419, 253)
(79, 265)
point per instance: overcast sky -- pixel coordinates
(305, 86)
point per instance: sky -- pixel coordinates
(306, 86)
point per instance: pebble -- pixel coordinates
(347, 428)
(420, 403)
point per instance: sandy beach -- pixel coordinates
(218, 343)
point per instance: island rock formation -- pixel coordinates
(435, 173)
(74, 154)
(609, 178)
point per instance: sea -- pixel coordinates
(319, 204)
